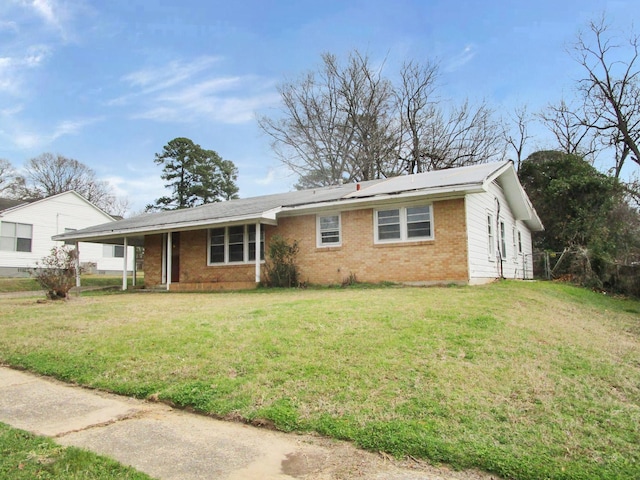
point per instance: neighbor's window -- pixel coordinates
(404, 224)
(69, 242)
(490, 237)
(236, 244)
(328, 228)
(15, 237)
(113, 251)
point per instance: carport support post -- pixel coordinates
(169, 247)
(124, 266)
(258, 252)
(77, 265)
(135, 266)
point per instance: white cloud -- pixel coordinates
(36, 55)
(155, 79)
(58, 15)
(139, 189)
(26, 138)
(459, 60)
(45, 8)
(11, 111)
(12, 69)
(9, 26)
(189, 91)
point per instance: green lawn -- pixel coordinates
(28, 284)
(24, 456)
(526, 380)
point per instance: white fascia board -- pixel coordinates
(515, 193)
(52, 197)
(344, 204)
(268, 217)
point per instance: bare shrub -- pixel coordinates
(56, 273)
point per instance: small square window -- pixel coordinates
(329, 230)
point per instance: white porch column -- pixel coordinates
(77, 264)
(258, 252)
(135, 266)
(163, 274)
(125, 261)
(169, 248)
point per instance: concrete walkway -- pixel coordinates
(172, 444)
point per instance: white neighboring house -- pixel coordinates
(26, 229)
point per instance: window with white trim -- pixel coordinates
(329, 230)
(16, 237)
(235, 244)
(403, 224)
(491, 237)
(514, 241)
(519, 241)
(503, 241)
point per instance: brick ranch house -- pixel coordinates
(466, 225)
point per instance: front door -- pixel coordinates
(175, 257)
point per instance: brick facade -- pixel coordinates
(441, 260)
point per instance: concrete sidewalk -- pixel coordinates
(172, 444)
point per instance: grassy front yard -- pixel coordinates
(526, 380)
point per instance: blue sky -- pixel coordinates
(109, 83)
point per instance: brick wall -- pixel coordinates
(443, 259)
(152, 260)
(193, 262)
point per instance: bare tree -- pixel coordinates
(336, 125)
(611, 91)
(368, 106)
(572, 134)
(350, 123)
(7, 177)
(50, 174)
(466, 135)
(517, 136)
(417, 107)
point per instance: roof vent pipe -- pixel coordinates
(357, 187)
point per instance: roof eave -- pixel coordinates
(267, 217)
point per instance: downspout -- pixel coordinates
(499, 238)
